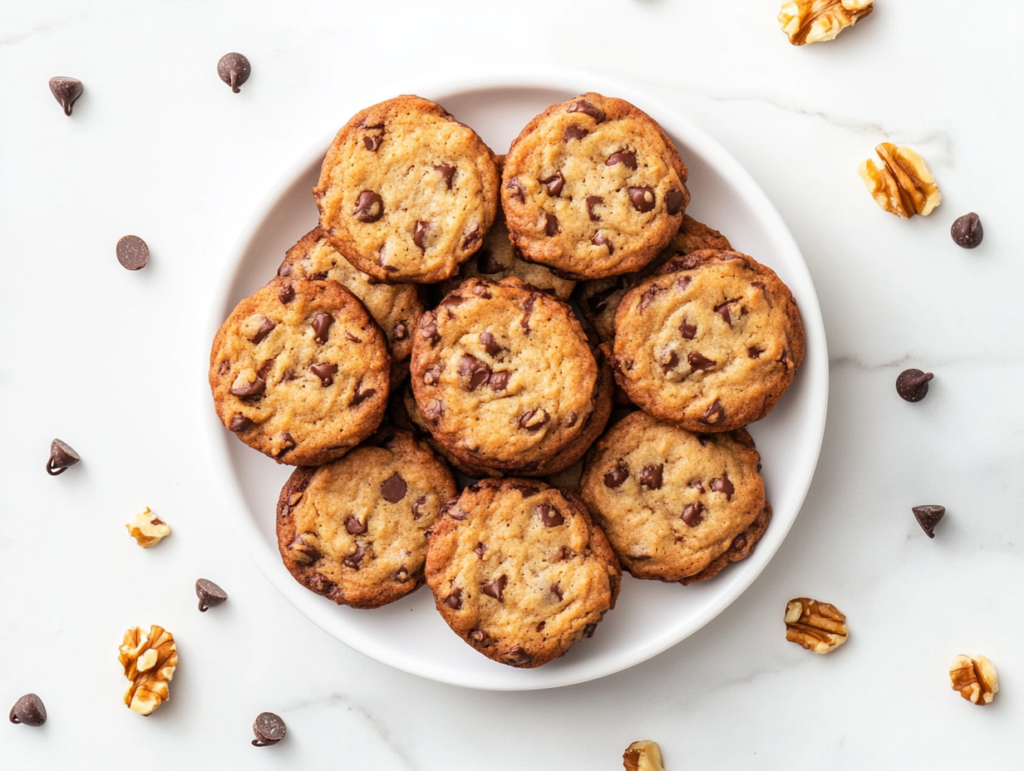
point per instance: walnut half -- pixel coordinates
(975, 678)
(903, 185)
(815, 21)
(147, 529)
(817, 626)
(643, 756)
(149, 660)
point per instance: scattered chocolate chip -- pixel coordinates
(687, 330)
(428, 329)
(472, 240)
(966, 231)
(698, 361)
(550, 224)
(592, 201)
(287, 442)
(739, 543)
(527, 491)
(516, 188)
(402, 574)
(250, 390)
(417, 506)
(479, 551)
(490, 344)
(240, 423)
(786, 359)
(625, 157)
(132, 253)
(648, 296)
(360, 395)
(601, 240)
(723, 485)
(713, 414)
(372, 143)
(534, 420)
(302, 550)
(696, 484)
(588, 630)
(419, 233)
(477, 371)
(234, 69)
(682, 282)
(355, 559)
(754, 352)
(400, 332)
(29, 710)
(321, 585)
(393, 488)
(674, 200)
(352, 338)
(557, 591)
(321, 323)
(912, 384)
(269, 729)
(66, 91)
(325, 372)
(616, 476)
(518, 657)
(286, 293)
(499, 380)
(210, 595)
(354, 526)
(495, 588)
(725, 310)
(447, 173)
(266, 327)
(587, 109)
(693, 514)
(527, 312)
(928, 517)
(554, 184)
(549, 515)
(62, 457)
(454, 600)
(369, 207)
(651, 476)
(574, 132)
(479, 636)
(642, 198)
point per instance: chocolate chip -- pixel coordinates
(693, 514)
(62, 457)
(372, 143)
(472, 240)
(417, 506)
(321, 323)
(269, 729)
(527, 491)
(713, 414)
(723, 485)
(360, 395)
(549, 515)
(29, 710)
(534, 420)
(557, 591)
(265, 369)
(419, 233)
(517, 657)
(369, 207)
(554, 184)
(499, 381)
(588, 630)
(674, 200)
(250, 390)
(481, 290)
(587, 109)
(495, 588)
(966, 231)
(477, 371)
(642, 198)
(132, 253)
(625, 157)
(479, 636)
(698, 361)
(286, 293)
(240, 423)
(527, 312)
(400, 332)
(325, 372)
(446, 172)
(648, 296)
(224, 368)
(696, 484)
(592, 201)
(486, 263)
(688, 331)
(754, 352)
(516, 188)
(210, 595)
(393, 488)
(454, 600)
(352, 338)
(572, 417)
(266, 327)
(353, 560)
(928, 517)
(302, 549)
(433, 409)
(490, 344)
(428, 329)
(683, 282)
(550, 224)
(616, 476)
(234, 69)
(479, 551)
(725, 310)
(432, 375)
(287, 442)
(354, 526)
(651, 476)
(321, 585)
(66, 91)
(601, 240)
(574, 132)
(912, 384)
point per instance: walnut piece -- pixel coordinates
(975, 678)
(643, 756)
(817, 626)
(149, 660)
(815, 21)
(903, 186)
(147, 529)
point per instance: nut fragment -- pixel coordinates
(815, 21)
(975, 678)
(643, 756)
(147, 529)
(149, 660)
(817, 626)
(903, 186)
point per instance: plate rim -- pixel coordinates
(815, 366)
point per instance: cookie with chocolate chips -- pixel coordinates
(711, 341)
(676, 506)
(503, 375)
(519, 570)
(593, 187)
(299, 371)
(395, 307)
(355, 529)
(406, 192)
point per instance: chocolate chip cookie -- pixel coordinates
(711, 341)
(395, 307)
(406, 192)
(299, 371)
(593, 187)
(355, 530)
(503, 374)
(519, 571)
(676, 506)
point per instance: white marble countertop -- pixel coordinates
(107, 360)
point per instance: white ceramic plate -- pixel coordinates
(650, 616)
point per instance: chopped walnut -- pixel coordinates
(149, 660)
(815, 21)
(975, 678)
(817, 626)
(903, 185)
(643, 756)
(147, 529)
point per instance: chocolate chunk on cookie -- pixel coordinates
(406, 192)
(593, 187)
(519, 571)
(676, 506)
(354, 530)
(299, 371)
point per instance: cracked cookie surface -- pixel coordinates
(519, 570)
(299, 371)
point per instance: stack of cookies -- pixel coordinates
(426, 325)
